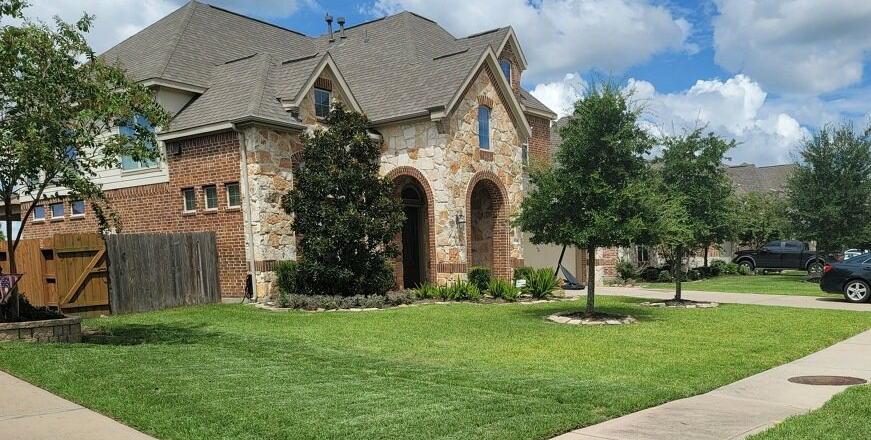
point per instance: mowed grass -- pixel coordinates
(846, 417)
(459, 371)
(786, 283)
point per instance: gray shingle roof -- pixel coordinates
(769, 179)
(398, 66)
(531, 102)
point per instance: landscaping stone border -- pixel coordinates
(697, 305)
(67, 329)
(567, 318)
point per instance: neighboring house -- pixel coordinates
(452, 117)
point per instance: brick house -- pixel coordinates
(455, 125)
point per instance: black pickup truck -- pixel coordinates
(783, 254)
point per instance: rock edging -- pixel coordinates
(68, 329)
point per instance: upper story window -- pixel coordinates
(484, 127)
(506, 69)
(211, 195)
(127, 162)
(189, 196)
(323, 100)
(57, 210)
(38, 213)
(77, 207)
(234, 195)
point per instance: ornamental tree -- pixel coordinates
(763, 218)
(829, 193)
(692, 177)
(344, 214)
(592, 196)
(58, 102)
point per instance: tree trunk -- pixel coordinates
(706, 255)
(678, 271)
(10, 251)
(591, 280)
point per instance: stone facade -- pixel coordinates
(53, 330)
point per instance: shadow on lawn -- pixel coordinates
(617, 305)
(138, 334)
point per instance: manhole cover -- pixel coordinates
(827, 380)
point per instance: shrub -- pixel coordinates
(625, 269)
(314, 302)
(730, 269)
(694, 274)
(717, 267)
(541, 283)
(650, 274)
(502, 289)
(744, 270)
(480, 277)
(285, 277)
(665, 277)
(426, 291)
(397, 298)
(523, 273)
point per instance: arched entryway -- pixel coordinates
(415, 264)
(487, 224)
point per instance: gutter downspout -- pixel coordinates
(249, 228)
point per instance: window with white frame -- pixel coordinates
(189, 197)
(38, 213)
(234, 195)
(57, 210)
(211, 195)
(77, 208)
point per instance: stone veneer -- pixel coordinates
(53, 330)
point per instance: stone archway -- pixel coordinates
(417, 262)
(487, 231)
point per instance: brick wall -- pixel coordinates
(539, 142)
(207, 160)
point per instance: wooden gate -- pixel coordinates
(67, 271)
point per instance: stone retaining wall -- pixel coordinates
(53, 330)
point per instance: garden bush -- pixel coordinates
(503, 289)
(744, 270)
(285, 277)
(626, 270)
(730, 269)
(331, 302)
(650, 274)
(480, 277)
(541, 283)
(426, 291)
(694, 274)
(523, 273)
(665, 276)
(459, 290)
(717, 267)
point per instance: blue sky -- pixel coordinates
(763, 72)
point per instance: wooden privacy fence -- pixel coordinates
(93, 274)
(159, 271)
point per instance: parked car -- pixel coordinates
(850, 253)
(851, 277)
(784, 254)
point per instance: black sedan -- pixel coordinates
(852, 278)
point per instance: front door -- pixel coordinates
(411, 248)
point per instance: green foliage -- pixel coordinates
(480, 277)
(650, 274)
(285, 277)
(763, 218)
(27, 312)
(745, 270)
(541, 284)
(346, 214)
(830, 189)
(589, 198)
(717, 266)
(426, 291)
(730, 268)
(335, 302)
(626, 269)
(523, 273)
(694, 274)
(665, 276)
(57, 100)
(503, 289)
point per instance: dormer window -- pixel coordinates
(484, 127)
(323, 100)
(506, 69)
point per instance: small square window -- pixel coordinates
(234, 196)
(190, 199)
(78, 208)
(211, 193)
(57, 210)
(39, 213)
(323, 101)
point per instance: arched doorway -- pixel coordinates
(487, 225)
(415, 264)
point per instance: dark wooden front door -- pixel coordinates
(411, 274)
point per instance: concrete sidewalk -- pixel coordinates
(750, 405)
(31, 413)
(807, 302)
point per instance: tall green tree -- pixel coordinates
(692, 176)
(763, 218)
(589, 198)
(829, 192)
(346, 215)
(58, 102)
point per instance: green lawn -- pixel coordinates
(459, 371)
(846, 417)
(786, 283)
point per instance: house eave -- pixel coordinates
(161, 82)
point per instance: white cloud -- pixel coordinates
(563, 35)
(560, 96)
(794, 46)
(734, 109)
